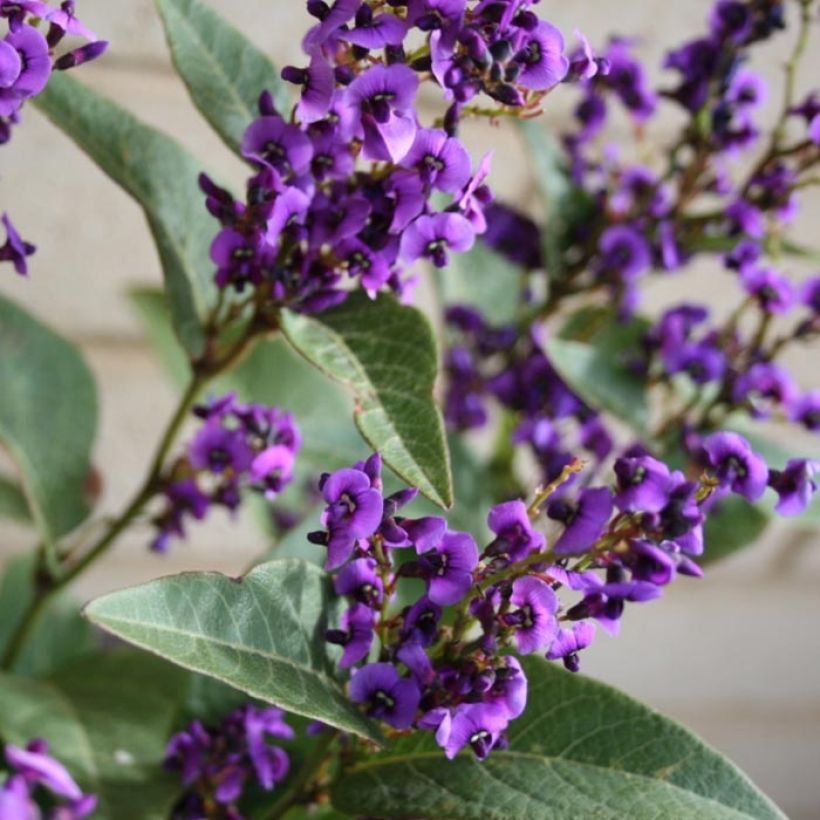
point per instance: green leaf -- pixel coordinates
(107, 719)
(580, 750)
(162, 177)
(48, 419)
(263, 633)
(483, 279)
(599, 370)
(13, 504)
(731, 525)
(225, 73)
(552, 180)
(386, 354)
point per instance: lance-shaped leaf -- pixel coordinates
(225, 73)
(581, 749)
(107, 719)
(162, 177)
(48, 418)
(263, 633)
(386, 354)
(599, 370)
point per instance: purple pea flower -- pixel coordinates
(774, 293)
(448, 567)
(430, 237)
(570, 642)
(442, 162)
(272, 469)
(34, 68)
(271, 142)
(237, 257)
(37, 766)
(806, 410)
(355, 635)
(270, 762)
(387, 696)
(795, 485)
(650, 562)
(624, 252)
(584, 521)
(509, 688)
(542, 60)
(382, 98)
(318, 84)
(421, 621)
(15, 249)
(763, 386)
(643, 484)
(218, 449)
(376, 31)
(810, 294)
(359, 580)
(477, 725)
(332, 19)
(534, 618)
(735, 464)
(354, 510)
(515, 536)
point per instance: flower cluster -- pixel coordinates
(33, 769)
(238, 446)
(217, 764)
(450, 671)
(27, 58)
(352, 185)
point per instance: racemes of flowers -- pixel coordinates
(238, 447)
(623, 221)
(33, 771)
(27, 58)
(352, 187)
(443, 663)
(219, 764)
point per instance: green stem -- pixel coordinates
(49, 586)
(299, 789)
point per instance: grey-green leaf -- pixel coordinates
(263, 633)
(162, 177)
(48, 418)
(107, 719)
(13, 504)
(225, 73)
(386, 354)
(581, 749)
(599, 371)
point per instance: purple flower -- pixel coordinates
(477, 725)
(355, 634)
(318, 84)
(332, 19)
(624, 252)
(383, 98)
(584, 521)
(774, 293)
(272, 469)
(35, 68)
(15, 250)
(360, 580)
(735, 464)
(271, 142)
(354, 510)
(218, 450)
(570, 642)
(763, 386)
(643, 484)
(795, 485)
(270, 762)
(421, 621)
(376, 31)
(542, 59)
(515, 536)
(534, 618)
(448, 567)
(430, 237)
(509, 688)
(237, 257)
(732, 20)
(386, 696)
(806, 410)
(442, 162)
(37, 766)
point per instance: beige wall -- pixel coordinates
(735, 656)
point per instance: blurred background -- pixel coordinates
(736, 656)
